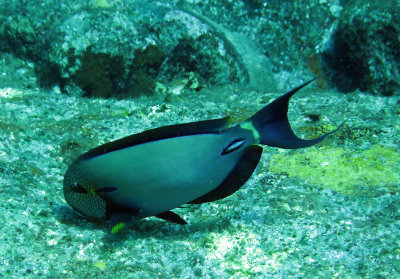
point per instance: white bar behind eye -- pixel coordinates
(233, 145)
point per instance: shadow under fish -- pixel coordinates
(153, 172)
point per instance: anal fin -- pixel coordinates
(171, 217)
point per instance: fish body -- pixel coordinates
(150, 173)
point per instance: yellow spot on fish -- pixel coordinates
(117, 227)
(247, 125)
(91, 191)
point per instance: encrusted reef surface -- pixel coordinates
(124, 49)
(365, 48)
(329, 211)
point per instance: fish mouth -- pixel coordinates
(79, 213)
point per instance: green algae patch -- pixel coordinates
(342, 170)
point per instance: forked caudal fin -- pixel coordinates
(273, 127)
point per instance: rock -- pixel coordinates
(364, 52)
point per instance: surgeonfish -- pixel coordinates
(155, 171)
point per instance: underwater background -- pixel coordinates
(75, 74)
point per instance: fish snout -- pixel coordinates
(81, 196)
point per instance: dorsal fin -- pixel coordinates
(193, 128)
(237, 177)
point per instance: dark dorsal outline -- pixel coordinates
(214, 126)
